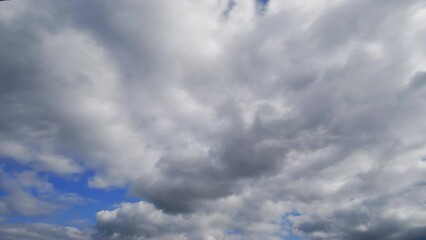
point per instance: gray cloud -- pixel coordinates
(143, 221)
(18, 197)
(29, 194)
(309, 107)
(41, 231)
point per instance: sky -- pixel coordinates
(213, 120)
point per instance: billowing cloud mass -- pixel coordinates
(226, 119)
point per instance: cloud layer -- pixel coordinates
(227, 119)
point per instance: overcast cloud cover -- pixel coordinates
(225, 119)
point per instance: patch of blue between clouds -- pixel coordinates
(288, 224)
(234, 232)
(262, 6)
(263, 2)
(96, 199)
(77, 215)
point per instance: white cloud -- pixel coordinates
(223, 117)
(29, 194)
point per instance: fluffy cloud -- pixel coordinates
(224, 117)
(230, 218)
(143, 221)
(40, 231)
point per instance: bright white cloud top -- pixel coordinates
(226, 119)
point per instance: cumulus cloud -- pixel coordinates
(41, 231)
(229, 119)
(143, 221)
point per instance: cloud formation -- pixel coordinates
(227, 119)
(39, 231)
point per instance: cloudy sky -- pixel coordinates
(213, 120)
